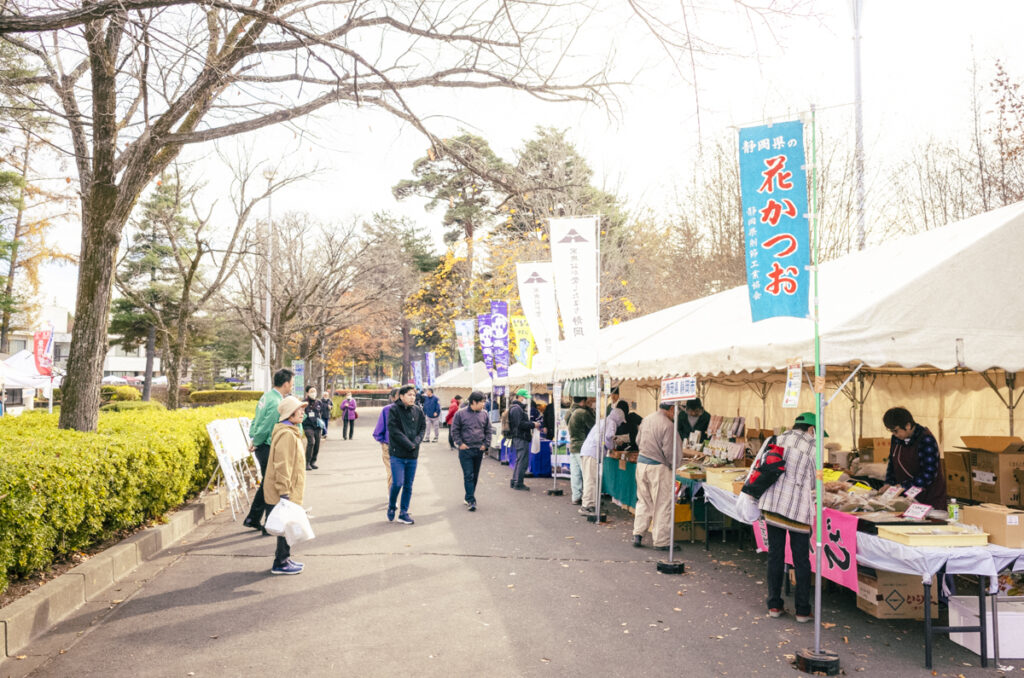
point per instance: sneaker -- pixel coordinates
(406, 518)
(577, 502)
(776, 612)
(287, 568)
(391, 515)
(804, 618)
(472, 506)
(314, 466)
(254, 524)
(309, 467)
(638, 540)
(586, 511)
(296, 563)
(520, 486)
(661, 548)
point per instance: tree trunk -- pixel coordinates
(12, 264)
(173, 372)
(147, 385)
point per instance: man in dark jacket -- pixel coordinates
(581, 420)
(471, 432)
(406, 427)
(694, 419)
(521, 432)
(432, 411)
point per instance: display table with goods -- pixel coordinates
(540, 462)
(886, 542)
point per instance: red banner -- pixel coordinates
(42, 348)
(839, 547)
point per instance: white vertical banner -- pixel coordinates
(537, 297)
(574, 255)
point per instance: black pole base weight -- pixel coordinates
(824, 663)
(671, 567)
(555, 493)
(594, 518)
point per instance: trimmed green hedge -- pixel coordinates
(218, 397)
(124, 406)
(62, 491)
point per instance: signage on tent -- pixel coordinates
(537, 297)
(574, 255)
(773, 185)
(679, 388)
(794, 381)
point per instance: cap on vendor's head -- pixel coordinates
(666, 406)
(286, 408)
(694, 404)
(523, 392)
(615, 390)
(809, 419)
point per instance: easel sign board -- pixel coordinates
(222, 450)
(678, 388)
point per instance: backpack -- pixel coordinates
(505, 431)
(766, 471)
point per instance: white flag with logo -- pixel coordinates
(537, 297)
(574, 255)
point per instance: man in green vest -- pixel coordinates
(260, 430)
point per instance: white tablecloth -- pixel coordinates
(890, 556)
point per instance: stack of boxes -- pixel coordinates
(985, 470)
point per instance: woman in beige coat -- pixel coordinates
(286, 472)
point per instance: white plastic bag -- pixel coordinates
(747, 509)
(289, 520)
(535, 442)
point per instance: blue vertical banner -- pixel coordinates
(483, 328)
(499, 336)
(773, 184)
(417, 373)
(431, 361)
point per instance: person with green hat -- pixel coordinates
(521, 432)
(788, 509)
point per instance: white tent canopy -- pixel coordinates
(518, 373)
(945, 298)
(461, 377)
(19, 371)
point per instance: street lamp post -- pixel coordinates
(268, 174)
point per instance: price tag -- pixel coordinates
(917, 511)
(860, 487)
(892, 493)
(912, 492)
(829, 475)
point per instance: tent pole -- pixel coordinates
(597, 385)
(819, 399)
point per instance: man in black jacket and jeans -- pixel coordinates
(471, 432)
(406, 427)
(521, 432)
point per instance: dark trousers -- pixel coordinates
(259, 509)
(522, 460)
(800, 544)
(403, 472)
(470, 461)
(312, 444)
(282, 553)
(348, 427)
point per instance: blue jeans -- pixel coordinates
(576, 477)
(403, 471)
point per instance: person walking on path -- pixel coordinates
(521, 432)
(406, 428)
(590, 459)
(328, 405)
(471, 432)
(581, 420)
(348, 416)
(432, 411)
(788, 507)
(311, 427)
(453, 408)
(286, 473)
(654, 478)
(380, 433)
(260, 432)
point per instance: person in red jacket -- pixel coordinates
(453, 407)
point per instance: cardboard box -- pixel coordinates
(684, 512)
(683, 532)
(994, 459)
(840, 458)
(1005, 526)
(874, 450)
(958, 474)
(963, 611)
(887, 595)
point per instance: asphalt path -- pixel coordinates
(524, 586)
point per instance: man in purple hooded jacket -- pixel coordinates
(380, 433)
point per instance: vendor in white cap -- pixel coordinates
(286, 472)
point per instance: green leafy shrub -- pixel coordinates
(62, 491)
(223, 386)
(125, 394)
(124, 406)
(218, 397)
